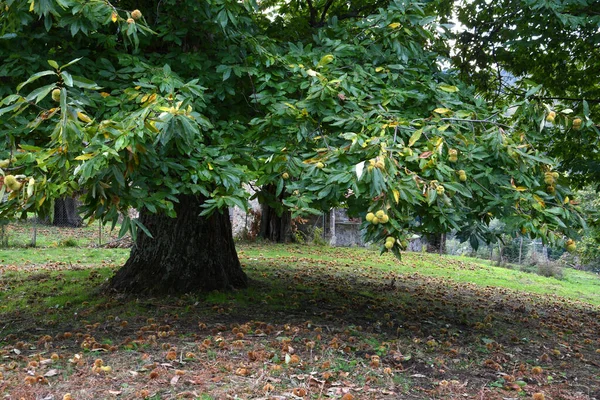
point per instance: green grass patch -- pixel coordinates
(24, 259)
(37, 292)
(575, 285)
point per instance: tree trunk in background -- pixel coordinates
(186, 254)
(436, 243)
(274, 227)
(66, 213)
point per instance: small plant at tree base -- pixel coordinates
(70, 242)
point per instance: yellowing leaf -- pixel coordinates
(84, 157)
(31, 6)
(448, 88)
(415, 137)
(394, 25)
(326, 59)
(566, 200)
(378, 69)
(30, 187)
(114, 17)
(520, 188)
(396, 195)
(83, 117)
(442, 111)
(210, 167)
(104, 94)
(311, 72)
(539, 200)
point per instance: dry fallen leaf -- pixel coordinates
(52, 372)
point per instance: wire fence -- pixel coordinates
(64, 227)
(35, 233)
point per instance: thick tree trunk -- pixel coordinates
(65, 213)
(186, 254)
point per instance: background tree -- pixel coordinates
(66, 212)
(189, 100)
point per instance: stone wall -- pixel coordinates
(241, 221)
(343, 230)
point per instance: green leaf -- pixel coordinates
(85, 83)
(67, 78)
(125, 226)
(142, 227)
(279, 187)
(53, 64)
(222, 18)
(241, 204)
(12, 107)
(39, 93)
(431, 196)
(35, 77)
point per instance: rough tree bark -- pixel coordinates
(186, 254)
(65, 213)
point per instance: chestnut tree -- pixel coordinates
(170, 107)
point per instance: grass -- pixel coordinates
(575, 285)
(61, 258)
(315, 322)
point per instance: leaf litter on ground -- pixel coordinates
(315, 322)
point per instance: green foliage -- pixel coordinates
(589, 248)
(545, 51)
(70, 242)
(360, 113)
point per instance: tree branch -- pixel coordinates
(521, 93)
(567, 99)
(313, 13)
(325, 9)
(480, 121)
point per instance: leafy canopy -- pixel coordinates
(545, 51)
(352, 105)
